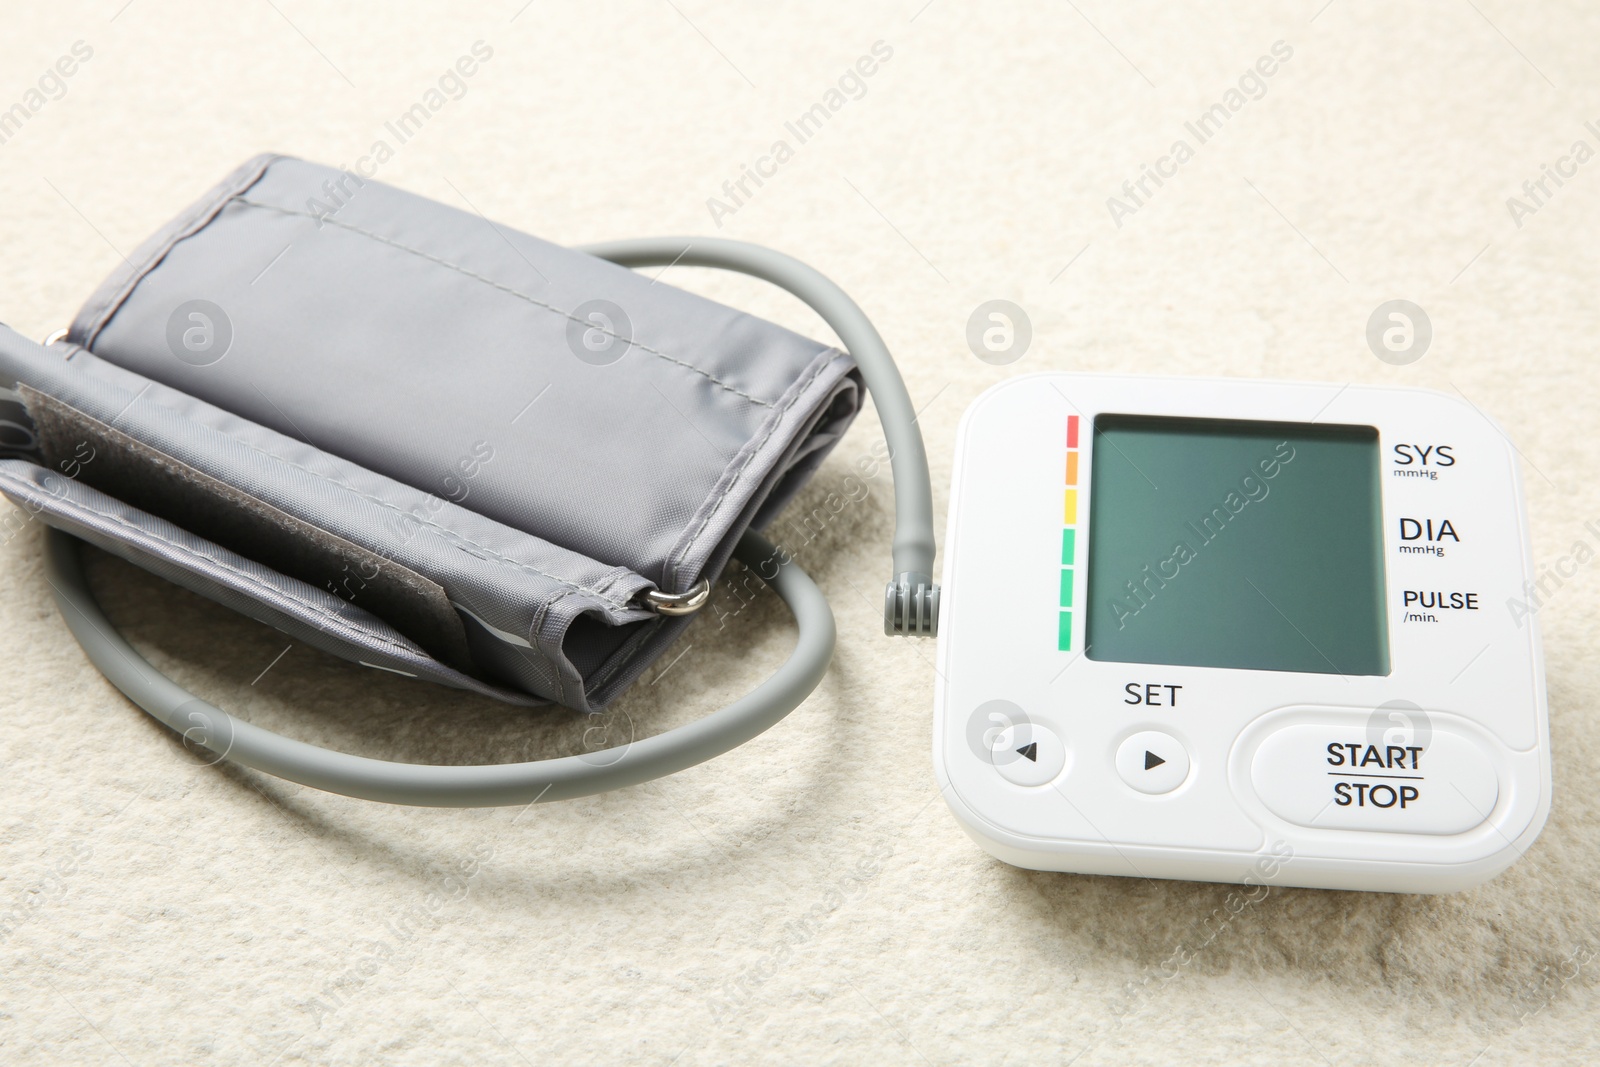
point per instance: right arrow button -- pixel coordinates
(1153, 762)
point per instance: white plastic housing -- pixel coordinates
(1260, 802)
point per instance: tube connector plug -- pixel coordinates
(911, 606)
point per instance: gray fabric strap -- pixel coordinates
(302, 611)
(204, 725)
(517, 596)
(492, 444)
(629, 421)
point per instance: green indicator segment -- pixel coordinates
(1068, 546)
(1064, 636)
(1066, 587)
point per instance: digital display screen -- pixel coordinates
(1223, 543)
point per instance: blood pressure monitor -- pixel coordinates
(1240, 631)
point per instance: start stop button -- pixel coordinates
(1333, 777)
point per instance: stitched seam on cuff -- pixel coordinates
(520, 295)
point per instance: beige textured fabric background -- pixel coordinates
(808, 897)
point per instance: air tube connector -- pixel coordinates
(911, 606)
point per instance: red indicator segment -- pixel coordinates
(1072, 431)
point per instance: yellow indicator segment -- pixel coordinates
(1070, 509)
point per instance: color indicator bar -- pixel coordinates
(1069, 538)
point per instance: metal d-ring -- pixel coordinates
(679, 603)
(57, 337)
